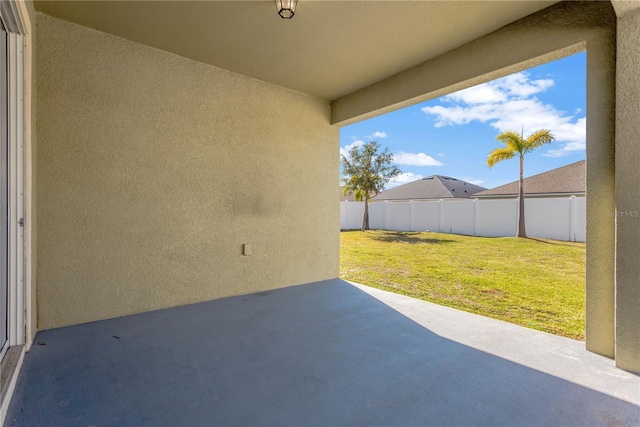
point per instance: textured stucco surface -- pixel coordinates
(601, 234)
(154, 170)
(628, 192)
(554, 32)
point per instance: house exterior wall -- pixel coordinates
(154, 170)
(627, 191)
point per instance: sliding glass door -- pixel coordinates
(4, 202)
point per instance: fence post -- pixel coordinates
(411, 215)
(475, 216)
(572, 218)
(441, 215)
(386, 215)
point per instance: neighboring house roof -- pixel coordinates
(566, 179)
(431, 187)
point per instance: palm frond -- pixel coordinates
(538, 138)
(500, 154)
(512, 139)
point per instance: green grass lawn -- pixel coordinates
(535, 283)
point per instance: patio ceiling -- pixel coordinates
(329, 49)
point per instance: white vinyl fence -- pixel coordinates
(558, 218)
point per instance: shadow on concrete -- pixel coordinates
(323, 354)
(409, 237)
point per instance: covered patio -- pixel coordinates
(172, 246)
(326, 353)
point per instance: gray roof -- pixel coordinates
(431, 187)
(566, 179)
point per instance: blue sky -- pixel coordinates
(453, 135)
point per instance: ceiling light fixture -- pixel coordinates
(286, 8)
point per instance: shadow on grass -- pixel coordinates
(409, 237)
(554, 242)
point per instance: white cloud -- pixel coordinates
(516, 85)
(345, 150)
(519, 85)
(378, 134)
(477, 95)
(507, 103)
(576, 144)
(567, 149)
(441, 154)
(403, 178)
(415, 159)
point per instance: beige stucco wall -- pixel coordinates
(153, 170)
(559, 30)
(627, 190)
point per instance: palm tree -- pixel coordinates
(518, 145)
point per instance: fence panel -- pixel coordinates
(497, 217)
(376, 216)
(352, 218)
(426, 216)
(458, 217)
(559, 218)
(548, 218)
(399, 216)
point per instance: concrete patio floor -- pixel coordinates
(329, 353)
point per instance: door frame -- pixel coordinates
(14, 15)
(4, 169)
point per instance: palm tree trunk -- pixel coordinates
(365, 218)
(521, 227)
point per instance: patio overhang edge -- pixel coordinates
(558, 31)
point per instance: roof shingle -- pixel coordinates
(431, 187)
(566, 179)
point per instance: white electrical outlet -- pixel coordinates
(246, 249)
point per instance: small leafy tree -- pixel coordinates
(365, 173)
(516, 144)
